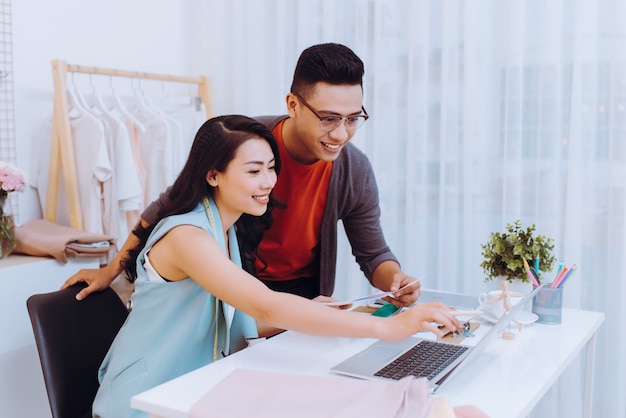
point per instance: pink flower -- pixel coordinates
(11, 178)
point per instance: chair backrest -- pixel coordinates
(72, 339)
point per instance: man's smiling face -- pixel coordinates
(311, 143)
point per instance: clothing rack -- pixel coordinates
(62, 151)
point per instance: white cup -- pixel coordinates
(494, 302)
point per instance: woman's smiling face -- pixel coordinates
(245, 185)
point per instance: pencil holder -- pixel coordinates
(548, 305)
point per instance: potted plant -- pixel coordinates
(503, 254)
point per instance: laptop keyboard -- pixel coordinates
(425, 359)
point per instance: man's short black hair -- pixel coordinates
(331, 63)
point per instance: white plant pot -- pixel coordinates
(515, 286)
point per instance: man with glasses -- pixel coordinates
(324, 178)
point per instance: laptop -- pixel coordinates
(381, 360)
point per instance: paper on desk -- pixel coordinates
(275, 394)
(373, 296)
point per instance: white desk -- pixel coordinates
(507, 380)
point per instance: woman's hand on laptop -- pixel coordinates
(422, 317)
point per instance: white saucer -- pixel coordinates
(524, 318)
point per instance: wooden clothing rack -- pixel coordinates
(62, 150)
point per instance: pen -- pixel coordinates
(558, 270)
(537, 265)
(561, 264)
(530, 274)
(559, 278)
(567, 275)
(402, 288)
(369, 297)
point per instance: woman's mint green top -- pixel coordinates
(171, 329)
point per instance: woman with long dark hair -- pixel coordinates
(193, 302)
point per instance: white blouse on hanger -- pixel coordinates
(93, 167)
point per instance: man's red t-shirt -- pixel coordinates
(291, 246)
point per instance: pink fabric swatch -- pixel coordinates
(42, 238)
(259, 394)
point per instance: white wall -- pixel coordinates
(142, 35)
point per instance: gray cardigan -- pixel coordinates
(353, 198)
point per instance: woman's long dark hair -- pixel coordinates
(213, 148)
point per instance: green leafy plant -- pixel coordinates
(503, 254)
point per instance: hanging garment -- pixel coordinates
(190, 113)
(123, 193)
(155, 149)
(93, 167)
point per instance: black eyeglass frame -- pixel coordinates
(345, 119)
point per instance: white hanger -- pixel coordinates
(142, 101)
(75, 100)
(94, 101)
(171, 104)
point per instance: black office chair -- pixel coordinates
(72, 339)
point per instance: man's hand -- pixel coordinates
(97, 280)
(407, 295)
(388, 276)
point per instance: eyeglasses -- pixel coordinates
(331, 122)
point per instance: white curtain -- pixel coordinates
(482, 113)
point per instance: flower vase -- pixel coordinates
(8, 242)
